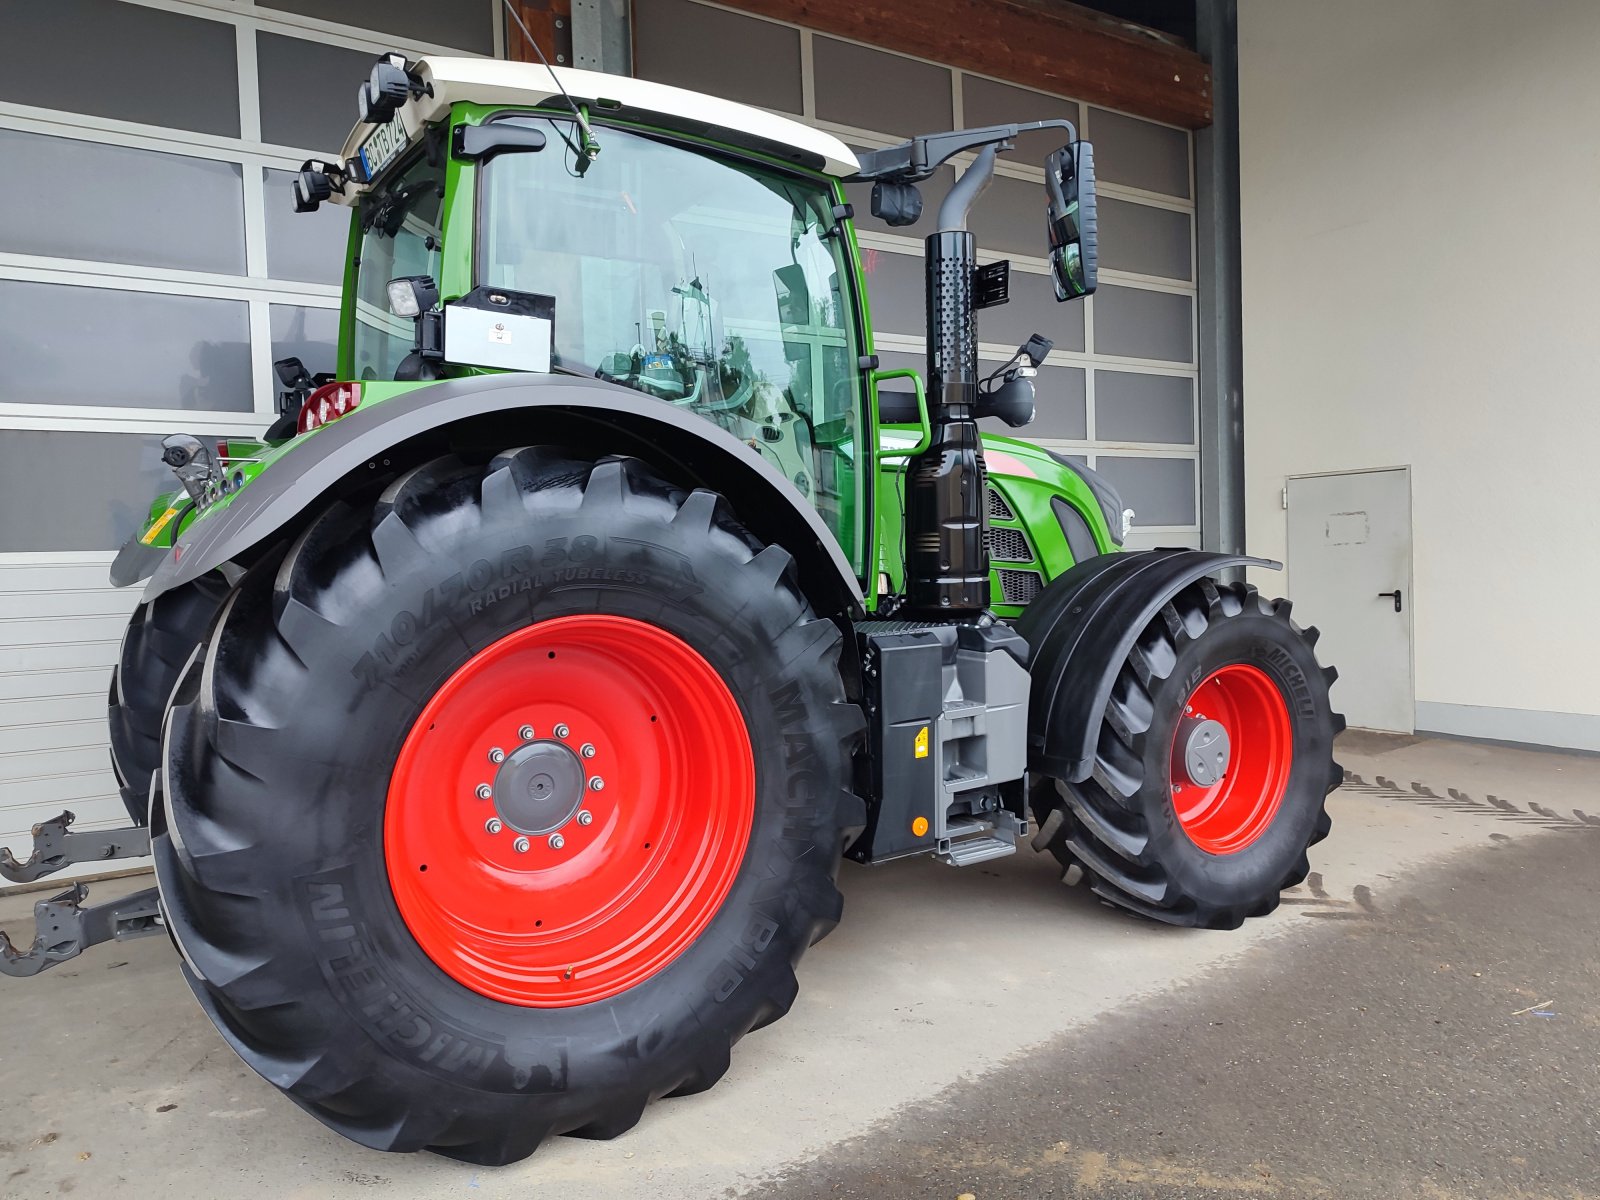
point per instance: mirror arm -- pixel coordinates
(920, 157)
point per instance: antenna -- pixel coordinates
(590, 146)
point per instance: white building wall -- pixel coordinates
(1421, 243)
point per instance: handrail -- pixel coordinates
(923, 420)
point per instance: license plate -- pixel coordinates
(382, 146)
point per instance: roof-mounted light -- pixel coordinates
(316, 182)
(386, 90)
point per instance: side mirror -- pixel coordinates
(794, 296)
(297, 384)
(1072, 225)
(292, 373)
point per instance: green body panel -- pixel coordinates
(1025, 477)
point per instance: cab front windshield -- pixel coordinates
(708, 283)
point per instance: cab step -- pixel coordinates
(972, 851)
(972, 840)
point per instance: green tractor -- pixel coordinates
(499, 720)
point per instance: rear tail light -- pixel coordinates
(328, 403)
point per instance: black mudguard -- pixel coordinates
(499, 411)
(1079, 632)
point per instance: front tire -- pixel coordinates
(1165, 828)
(481, 648)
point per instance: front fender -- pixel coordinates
(491, 412)
(1080, 631)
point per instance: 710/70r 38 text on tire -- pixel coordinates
(279, 866)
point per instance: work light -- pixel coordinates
(411, 295)
(384, 91)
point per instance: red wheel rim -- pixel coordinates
(550, 910)
(1233, 812)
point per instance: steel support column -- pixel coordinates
(1216, 161)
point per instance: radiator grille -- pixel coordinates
(1009, 545)
(1020, 587)
(999, 510)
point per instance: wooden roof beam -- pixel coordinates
(1046, 44)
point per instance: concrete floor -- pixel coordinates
(988, 1031)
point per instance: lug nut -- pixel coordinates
(556, 841)
(497, 756)
(596, 784)
(526, 733)
(492, 825)
(561, 731)
(588, 750)
(484, 791)
(585, 817)
(520, 845)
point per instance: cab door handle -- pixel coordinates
(1394, 595)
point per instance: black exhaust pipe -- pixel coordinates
(947, 560)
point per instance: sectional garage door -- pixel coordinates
(151, 269)
(1120, 389)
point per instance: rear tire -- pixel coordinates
(281, 868)
(1148, 838)
(160, 637)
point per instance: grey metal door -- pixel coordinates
(1350, 575)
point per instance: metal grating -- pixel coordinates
(1020, 587)
(1009, 545)
(999, 510)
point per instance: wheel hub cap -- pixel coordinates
(539, 788)
(1205, 751)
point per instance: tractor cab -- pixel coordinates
(695, 251)
(516, 218)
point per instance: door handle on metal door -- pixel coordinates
(1395, 595)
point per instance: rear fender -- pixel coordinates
(1079, 633)
(489, 413)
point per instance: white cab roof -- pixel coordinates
(497, 81)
